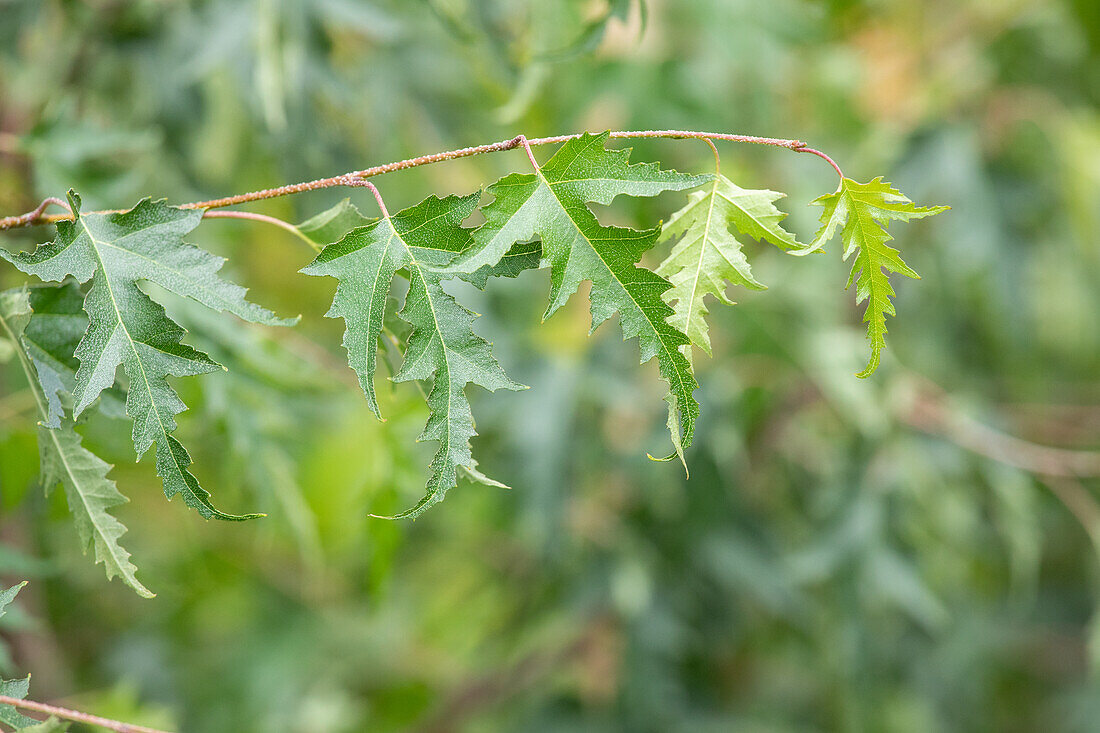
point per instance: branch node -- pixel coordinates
(522, 140)
(31, 217)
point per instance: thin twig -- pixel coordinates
(818, 153)
(1080, 502)
(930, 415)
(37, 217)
(115, 725)
(264, 218)
(1056, 468)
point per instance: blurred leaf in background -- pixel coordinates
(916, 551)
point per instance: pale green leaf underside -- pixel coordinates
(862, 211)
(707, 255)
(127, 328)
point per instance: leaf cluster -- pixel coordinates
(97, 339)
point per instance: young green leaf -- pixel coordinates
(708, 255)
(864, 210)
(65, 460)
(126, 327)
(443, 347)
(552, 204)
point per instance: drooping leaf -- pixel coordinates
(126, 327)
(90, 494)
(551, 204)
(864, 210)
(13, 688)
(65, 460)
(442, 347)
(708, 254)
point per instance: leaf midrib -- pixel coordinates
(445, 445)
(871, 269)
(702, 255)
(645, 314)
(137, 356)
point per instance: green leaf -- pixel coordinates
(90, 495)
(443, 347)
(13, 688)
(864, 210)
(126, 327)
(7, 596)
(57, 323)
(65, 460)
(708, 255)
(331, 224)
(8, 713)
(552, 204)
(593, 33)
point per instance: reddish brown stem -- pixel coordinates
(717, 158)
(40, 707)
(350, 181)
(818, 153)
(37, 217)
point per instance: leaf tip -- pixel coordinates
(872, 365)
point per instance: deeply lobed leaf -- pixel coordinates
(862, 211)
(63, 458)
(707, 255)
(421, 240)
(552, 205)
(127, 328)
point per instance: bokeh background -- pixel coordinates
(913, 552)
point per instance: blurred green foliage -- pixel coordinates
(843, 557)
